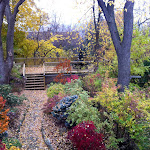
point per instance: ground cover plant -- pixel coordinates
(11, 99)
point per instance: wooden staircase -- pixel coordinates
(35, 82)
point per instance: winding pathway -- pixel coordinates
(30, 132)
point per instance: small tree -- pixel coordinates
(6, 64)
(122, 47)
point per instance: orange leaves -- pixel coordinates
(62, 67)
(3, 116)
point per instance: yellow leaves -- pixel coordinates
(125, 9)
(14, 148)
(111, 3)
(29, 16)
(131, 1)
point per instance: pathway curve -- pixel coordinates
(30, 132)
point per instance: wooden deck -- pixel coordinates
(50, 68)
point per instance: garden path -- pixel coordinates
(30, 133)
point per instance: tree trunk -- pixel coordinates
(123, 69)
(122, 47)
(6, 65)
(4, 74)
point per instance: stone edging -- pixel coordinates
(46, 140)
(21, 122)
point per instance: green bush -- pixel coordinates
(55, 89)
(80, 111)
(13, 100)
(15, 72)
(5, 89)
(12, 142)
(75, 88)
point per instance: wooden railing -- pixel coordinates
(39, 61)
(76, 67)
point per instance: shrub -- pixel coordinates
(5, 90)
(80, 111)
(12, 143)
(61, 107)
(83, 136)
(55, 89)
(16, 80)
(130, 110)
(92, 83)
(13, 100)
(2, 146)
(13, 116)
(63, 66)
(51, 102)
(72, 77)
(15, 72)
(4, 119)
(75, 88)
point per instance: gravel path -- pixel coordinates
(30, 132)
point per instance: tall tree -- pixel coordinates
(6, 64)
(122, 47)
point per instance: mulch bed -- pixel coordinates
(57, 133)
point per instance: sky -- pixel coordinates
(64, 9)
(70, 12)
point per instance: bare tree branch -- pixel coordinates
(139, 24)
(16, 9)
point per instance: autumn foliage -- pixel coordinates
(61, 68)
(3, 116)
(2, 146)
(51, 102)
(84, 136)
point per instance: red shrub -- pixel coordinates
(2, 146)
(51, 102)
(72, 77)
(84, 137)
(62, 67)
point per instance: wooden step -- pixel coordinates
(35, 82)
(34, 88)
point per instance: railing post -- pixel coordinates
(44, 68)
(24, 70)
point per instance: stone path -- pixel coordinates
(30, 133)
